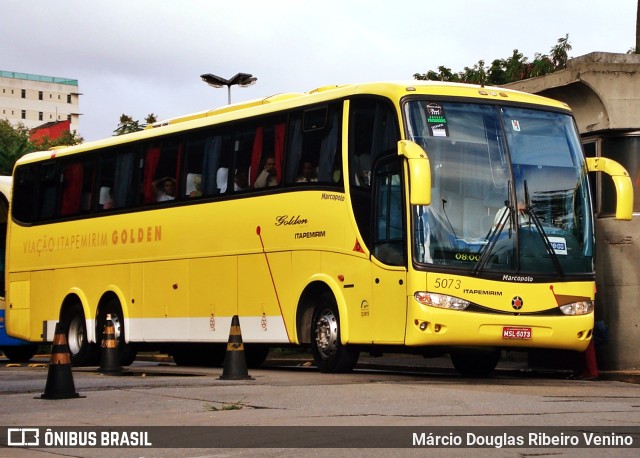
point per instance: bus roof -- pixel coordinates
(275, 103)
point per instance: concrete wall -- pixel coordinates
(618, 292)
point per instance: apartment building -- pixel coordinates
(34, 100)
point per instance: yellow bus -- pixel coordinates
(424, 217)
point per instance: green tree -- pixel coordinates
(14, 143)
(560, 53)
(516, 67)
(476, 74)
(503, 71)
(128, 125)
(150, 119)
(443, 74)
(541, 65)
(497, 72)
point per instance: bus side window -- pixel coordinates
(373, 132)
(267, 154)
(117, 187)
(210, 163)
(242, 140)
(25, 202)
(71, 189)
(294, 149)
(194, 153)
(48, 190)
(330, 160)
(313, 150)
(106, 198)
(76, 187)
(389, 220)
(160, 176)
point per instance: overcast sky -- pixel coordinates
(146, 56)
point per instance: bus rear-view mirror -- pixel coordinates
(419, 172)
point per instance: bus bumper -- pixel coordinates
(462, 328)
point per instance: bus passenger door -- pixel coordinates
(389, 272)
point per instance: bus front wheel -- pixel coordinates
(329, 354)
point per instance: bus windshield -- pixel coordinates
(509, 189)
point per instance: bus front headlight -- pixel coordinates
(440, 300)
(577, 308)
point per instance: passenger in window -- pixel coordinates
(165, 189)
(194, 185)
(241, 180)
(268, 175)
(307, 173)
(106, 197)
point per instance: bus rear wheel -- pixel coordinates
(329, 354)
(475, 363)
(81, 352)
(126, 352)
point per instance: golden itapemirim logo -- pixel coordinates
(117, 237)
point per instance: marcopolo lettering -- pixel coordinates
(522, 278)
(328, 196)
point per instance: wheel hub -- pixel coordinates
(75, 336)
(327, 334)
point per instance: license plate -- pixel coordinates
(509, 332)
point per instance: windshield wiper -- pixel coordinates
(508, 214)
(528, 209)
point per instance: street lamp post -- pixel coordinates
(240, 79)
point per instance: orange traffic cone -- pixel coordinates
(59, 378)
(109, 357)
(235, 362)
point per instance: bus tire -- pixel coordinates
(81, 352)
(20, 353)
(475, 363)
(126, 352)
(329, 354)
